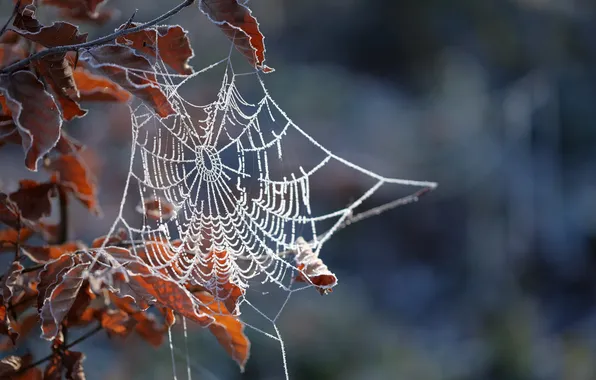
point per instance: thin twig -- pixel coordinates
(66, 347)
(63, 202)
(88, 334)
(97, 42)
(370, 213)
(387, 206)
(14, 13)
(17, 249)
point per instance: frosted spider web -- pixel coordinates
(222, 168)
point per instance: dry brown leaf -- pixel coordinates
(227, 328)
(237, 22)
(60, 300)
(33, 199)
(97, 88)
(74, 176)
(312, 269)
(46, 253)
(34, 112)
(131, 71)
(172, 44)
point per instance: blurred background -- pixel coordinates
(489, 277)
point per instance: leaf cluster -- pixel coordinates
(47, 75)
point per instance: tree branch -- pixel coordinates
(14, 13)
(97, 42)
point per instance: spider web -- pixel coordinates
(216, 178)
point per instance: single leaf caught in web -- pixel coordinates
(172, 44)
(131, 71)
(157, 208)
(237, 22)
(311, 268)
(35, 113)
(73, 175)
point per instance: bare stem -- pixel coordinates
(63, 201)
(14, 13)
(97, 42)
(372, 212)
(66, 347)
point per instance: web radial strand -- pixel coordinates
(238, 204)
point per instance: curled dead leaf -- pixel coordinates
(157, 209)
(312, 269)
